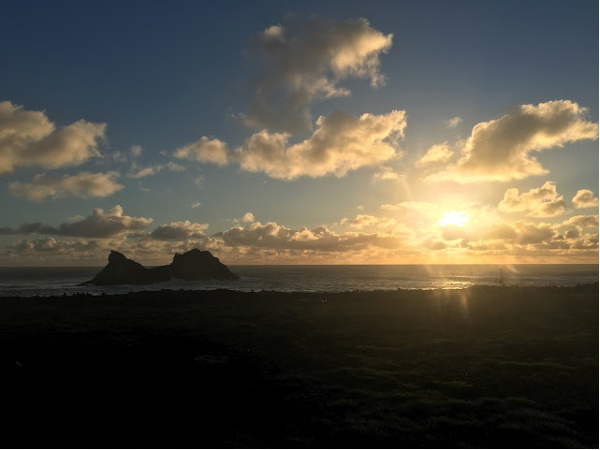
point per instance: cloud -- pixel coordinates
(28, 138)
(274, 236)
(305, 60)
(204, 150)
(531, 233)
(453, 123)
(83, 185)
(501, 149)
(340, 143)
(97, 225)
(136, 151)
(102, 225)
(432, 244)
(386, 173)
(539, 202)
(141, 172)
(582, 222)
(415, 213)
(439, 153)
(179, 231)
(195, 205)
(584, 199)
(368, 221)
(70, 250)
(248, 218)
(30, 228)
(501, 231)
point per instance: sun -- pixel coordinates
(458, 218)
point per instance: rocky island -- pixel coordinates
(193, 265)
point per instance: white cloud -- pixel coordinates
(453, 123)
(195, 205)
(386, 173)
(28, 138)
(205, 150)
(582, 222)
(539, 202)
(248, 217)
(304, 61)
(501, 149)
(83, 185)
(340, 143)
(439, 153)
(141, 172)
(179, 231)
(585, 199)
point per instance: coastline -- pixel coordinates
(56, 281)
(485, 366)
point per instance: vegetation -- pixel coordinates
(481, 367)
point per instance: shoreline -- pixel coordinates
(587, 286)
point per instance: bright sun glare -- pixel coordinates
(458, 218)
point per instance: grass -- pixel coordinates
(481, 367)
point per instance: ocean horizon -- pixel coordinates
(53, 281)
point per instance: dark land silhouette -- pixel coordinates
(482, 367)
(191, 266)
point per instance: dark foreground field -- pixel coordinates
(482, 367)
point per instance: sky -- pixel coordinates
(282, 132)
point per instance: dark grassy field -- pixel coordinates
(481, 367)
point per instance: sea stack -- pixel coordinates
(121, 270)
(193, 265)
(199, 265)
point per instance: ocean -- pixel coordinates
(51, 281)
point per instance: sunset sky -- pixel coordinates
(404, 132)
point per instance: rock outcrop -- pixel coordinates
(191, 266)
(199, 265)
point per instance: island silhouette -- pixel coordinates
(193, 265)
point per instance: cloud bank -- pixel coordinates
(97, 225)
(179, 231)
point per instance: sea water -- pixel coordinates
(49, 281)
